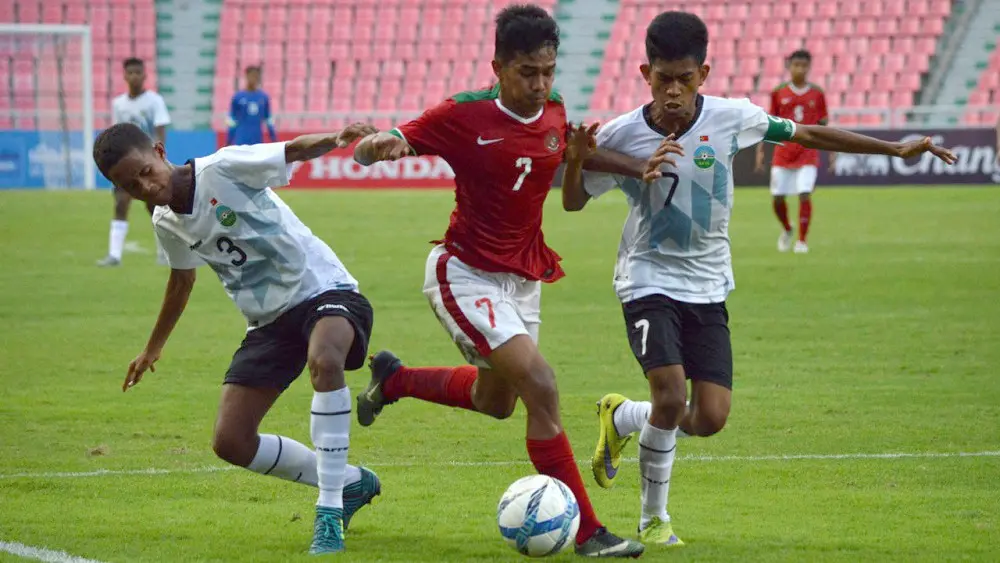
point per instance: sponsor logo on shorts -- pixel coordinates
(328, 306)
(225, 215)
(704, 156)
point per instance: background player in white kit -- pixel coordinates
(301, 304)
(674, 268)
(147, 111)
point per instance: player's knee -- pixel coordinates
(502, 408)
(711, 421)
(326, 370)
(669, 405)
(234, 448)
(539, 390)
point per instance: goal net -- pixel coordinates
(46, 106)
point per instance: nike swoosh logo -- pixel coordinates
(609, 469)
(370, 395)
(482, 142)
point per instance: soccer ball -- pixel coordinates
(538, 516)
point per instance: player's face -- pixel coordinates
(253, 79)
(144, 175)
(674, 85)
(135, 76)
(526, 80)
(799, 69)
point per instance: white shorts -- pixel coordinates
(793, 181)
(480, 310)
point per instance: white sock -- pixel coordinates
(631, 416)
(284, 458)
(116, 239)
(656, 459)
(330, 428)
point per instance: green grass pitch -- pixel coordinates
(885, 339)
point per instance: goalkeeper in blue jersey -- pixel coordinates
(249, 110)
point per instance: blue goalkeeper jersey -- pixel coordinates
(249, 112)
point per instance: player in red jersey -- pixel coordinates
(794, 169)
(484, 279)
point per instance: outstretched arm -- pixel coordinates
(175, 299)
(575, 196)
(308, 147)
(833, 139)
(379, 147)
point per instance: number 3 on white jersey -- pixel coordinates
(523, 162)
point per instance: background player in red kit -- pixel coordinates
(484, 280)
(794, 168)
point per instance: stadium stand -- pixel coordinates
(355, 56)
(120, 29)
(986, 93)
(879, 49)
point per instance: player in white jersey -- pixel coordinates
(302, 306)
(674, 269)
(147, 110)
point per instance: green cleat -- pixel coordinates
(328, 533)
(608, 456)
(360, 493)
(660, 533)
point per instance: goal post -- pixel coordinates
(44, 49)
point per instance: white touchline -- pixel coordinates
(41, 554)
(509, 463)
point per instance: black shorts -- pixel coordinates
(664, 332)
(275, 354)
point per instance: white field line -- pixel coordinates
(510, 463)
(41, 554)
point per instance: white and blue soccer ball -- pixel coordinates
(538, 516)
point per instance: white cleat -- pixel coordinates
(109, 262)
(801, 247)
(785, 241)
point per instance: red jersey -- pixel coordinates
(504, 165)
(806, 106)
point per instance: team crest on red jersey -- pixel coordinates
(552, 140)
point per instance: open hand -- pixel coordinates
(353, 132)
(582, 142)
(917, 148)
(138, 366)
(661, 157)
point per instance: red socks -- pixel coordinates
(554, 457)
(805, 214)
(781, 210)
(451, 386)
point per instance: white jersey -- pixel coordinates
(676, 238)
(148, 111)
(267, 260)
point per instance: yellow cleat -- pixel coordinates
(608, 456)
(660, 533)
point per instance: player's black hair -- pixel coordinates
(801, 54)
(131, 61)
(524, 28)
(252, 68)
(117, 141)
(673, 36)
